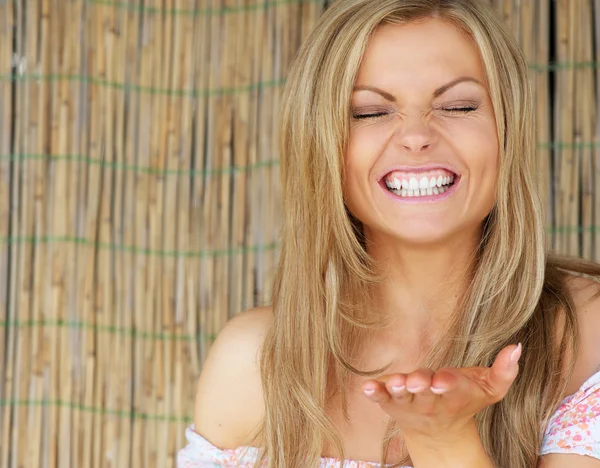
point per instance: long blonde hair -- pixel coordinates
(325, 276)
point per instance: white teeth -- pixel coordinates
(414, 187)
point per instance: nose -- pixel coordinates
(415, 134)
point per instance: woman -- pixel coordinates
(412, 257)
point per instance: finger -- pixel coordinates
(376, 391)
(504, 370)
(395, 385)
(419, 383)
(397, 389)
(446, 380)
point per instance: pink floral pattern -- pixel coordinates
(574, 428)
(200, 453)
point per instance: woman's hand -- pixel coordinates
(440, 406)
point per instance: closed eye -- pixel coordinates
(464, 110)
(460, 110)
(368, 116)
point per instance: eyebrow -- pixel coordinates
(438, 92)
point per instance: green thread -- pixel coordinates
(569, 145)
(132, 249)
(218, 171)
(194, 93)
(93, 409)
(110, 329)
(140, 169)
(207, 253)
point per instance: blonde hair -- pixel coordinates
(325, 276)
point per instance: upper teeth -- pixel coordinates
(423, 183)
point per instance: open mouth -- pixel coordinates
(423, 187)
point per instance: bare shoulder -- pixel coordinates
(229, 403)
(586, 298)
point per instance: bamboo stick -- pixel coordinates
(241, 73)
(6, 67)
(84, 252)
(161, 41)
(251, 223)
(200, 286)
(596, 169)
(542, 104)
(209, 294)
(62, 227)
(92, 293)
(183, 388)
(128, 31)
(572, 181)
(564, 161)
(41, 258)
(70, 434)
(143, 300)
(8, 191)
(268, 150)
(585, 122)
(197, 267)
(171, 214)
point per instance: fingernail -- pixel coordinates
(369, 391)
(438, 391)
(516, 354)
(397, 389)
(415, 389)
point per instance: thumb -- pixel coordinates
(505, 368)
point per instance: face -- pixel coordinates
(422, 158)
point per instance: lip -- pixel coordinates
(422, 199)
(417, 169)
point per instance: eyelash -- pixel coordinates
(460, 110)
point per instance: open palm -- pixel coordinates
(438, 403)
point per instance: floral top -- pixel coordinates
(574, 428)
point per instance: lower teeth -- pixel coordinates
(421, 192)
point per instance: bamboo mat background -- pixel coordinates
(139, 200)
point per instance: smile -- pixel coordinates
(420, 190)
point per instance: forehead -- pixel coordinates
(424, 52)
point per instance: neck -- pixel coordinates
(423, 284)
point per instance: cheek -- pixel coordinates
(485, 164)
(479, 142)
(351, 180)
(358, 162)
(361, 154)
(366, 143)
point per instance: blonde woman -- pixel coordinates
(417, 318)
